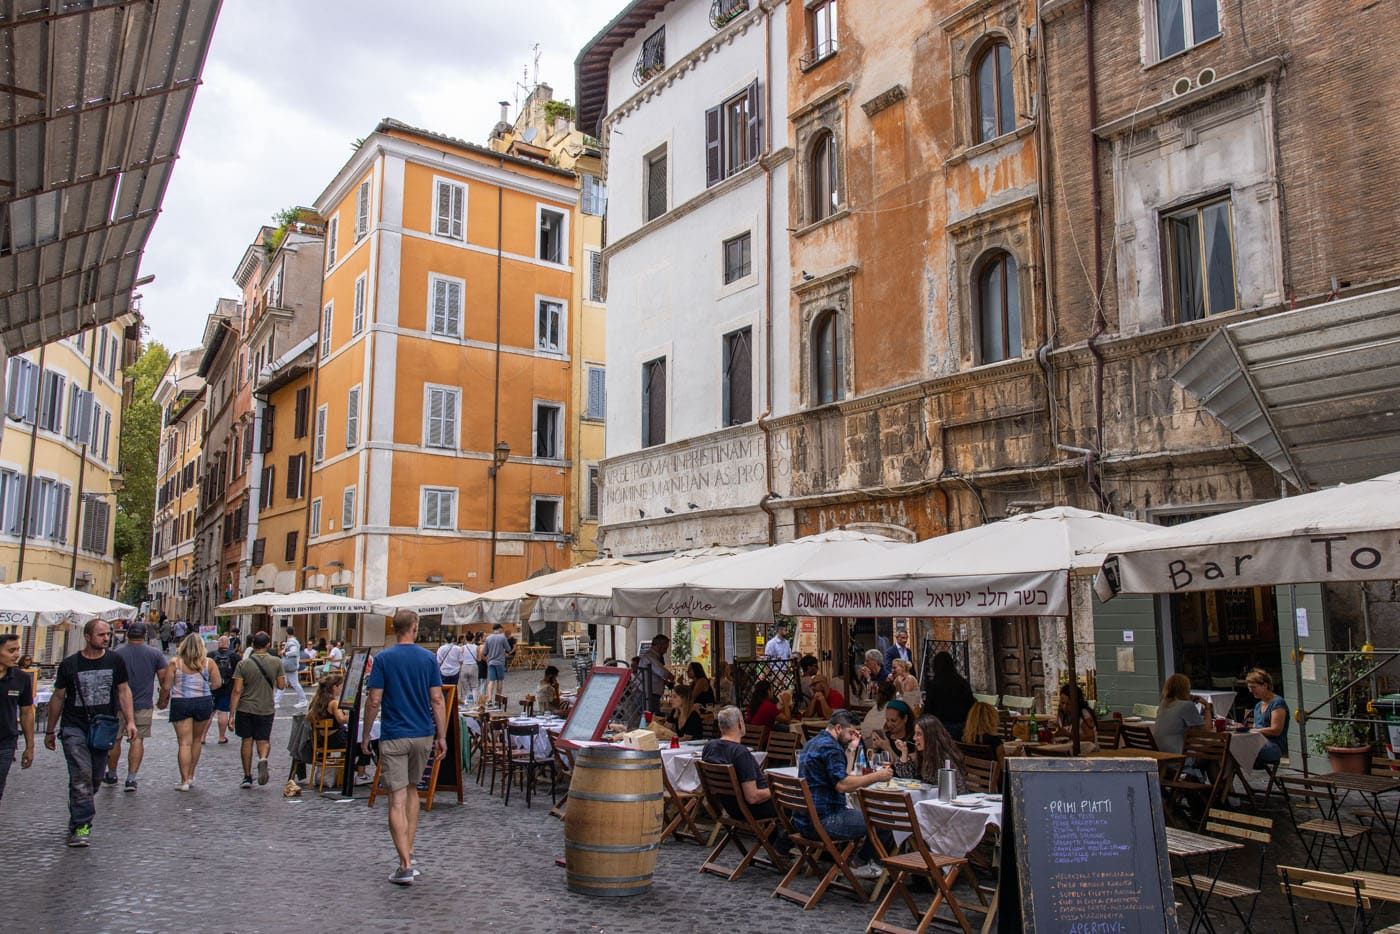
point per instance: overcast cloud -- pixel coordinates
(290, 84)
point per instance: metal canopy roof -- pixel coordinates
(1314, 392)
(94, 98)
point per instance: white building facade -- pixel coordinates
(689, 98)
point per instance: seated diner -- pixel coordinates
(1176, 714)
(1075, 713)
(1270, 717)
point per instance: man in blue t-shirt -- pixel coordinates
(405, 681)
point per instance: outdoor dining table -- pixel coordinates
(1371, 787)
(955, 830)
(546, 724)
(1215, 699)
(1165, 760)
(1186, 846)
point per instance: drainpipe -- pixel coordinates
(766, 502)
(495, 470)
(254, 493)
(1042, 158)
(1100, 322)
(82, 476)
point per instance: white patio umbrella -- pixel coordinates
(1346, 533)
(590, 600)
(292, 604)
(40, 603)
(427, 601)
(507, 604)
(742, 587)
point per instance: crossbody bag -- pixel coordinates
(101, 727)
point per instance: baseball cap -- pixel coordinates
(136, 630)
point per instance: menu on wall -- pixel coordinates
(1088, 848)
(596, 701)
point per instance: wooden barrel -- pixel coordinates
(613, 821)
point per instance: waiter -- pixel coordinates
(900, 649)
(778, 646)
(16, 708)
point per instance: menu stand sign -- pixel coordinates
(597, 700)
(1084, 846)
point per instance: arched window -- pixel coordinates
(828, 359)
(998, 299)
(993, 103)
(821, 167)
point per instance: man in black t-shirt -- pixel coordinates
(16, 708)
(729, 749)
(90, 684)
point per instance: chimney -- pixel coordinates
(505, 111)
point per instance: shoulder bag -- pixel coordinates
(101, 727)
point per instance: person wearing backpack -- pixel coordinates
(226, 659)
(291, 666)
(254, 682)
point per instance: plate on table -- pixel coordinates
(992, 799)
(1132, 719)
(967, 804)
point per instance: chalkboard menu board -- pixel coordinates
(1085, 847)
(354, 676)
(596, 701)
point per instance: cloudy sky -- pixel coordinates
(288, 86)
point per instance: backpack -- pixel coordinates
(227, 663)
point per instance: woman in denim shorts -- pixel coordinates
(195, 679)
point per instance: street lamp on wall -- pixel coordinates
(499, 456)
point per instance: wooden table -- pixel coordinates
(1165, 760)
(1185, 846)
(1371, 787)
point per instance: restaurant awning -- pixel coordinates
(40, 603)
(1314, 392)
(506, 604)
(292, 604)
(1014, 567)
(1347, 533)
(426, 601)
(590, 600)
(94, 98)
(742, 587)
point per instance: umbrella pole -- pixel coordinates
(1069, 662)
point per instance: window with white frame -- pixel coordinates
(362, 211)
(296, 476)
(549, 326)
(347, 508)
(22, 390)
(440, 407)
(11, 501)
(327, 315)
(1181, 24)
(449, 210)
(1200, 254)
(267, 491)
(445, 316)
(597, 393)
(733, 135)
(654, 402)
(357, 318)
(97, 517)
(318, 446)
(553, 235)
(79, 427)
(315, 518)
(51, 400)
(546, 514)
(48, 509)
(352, 417)
(549, 430)
(656, 197)
(332, 236)
(439, 508)
(738, 257)
(595, 196)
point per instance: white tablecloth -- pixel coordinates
(1244, 747)
(546, 724)
(954, 831)
(1222, 701)
(680, 766)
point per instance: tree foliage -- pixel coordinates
(140, 446)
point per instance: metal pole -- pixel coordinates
(1069, 662)
(1298, 713)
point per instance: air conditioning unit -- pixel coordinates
(1206, 76)
(1182, 86)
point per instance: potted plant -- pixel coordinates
(1346, 742)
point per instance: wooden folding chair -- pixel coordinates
(1136, 736)
(793, 800)
(892, 813)
(563, 773)
(323, 758)
(1110, 732)
(754, 736)
(1016, 702)
(782, 749)
(1325, 888)
(975, 750)
(1207, 753)
(684, 805)
(992, 699)
(719, 784)
(1315, 833)
(810, 729)
(982, 775)
(1250, 831)
(496, 748)
(1006, 725)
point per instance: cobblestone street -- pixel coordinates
(220, 859)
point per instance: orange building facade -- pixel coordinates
(440, 431)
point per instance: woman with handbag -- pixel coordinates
(193, 682)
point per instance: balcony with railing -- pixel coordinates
(724, 12)
(652, 60)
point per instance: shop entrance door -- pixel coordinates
(1020, 665)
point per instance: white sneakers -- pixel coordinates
(871, 870)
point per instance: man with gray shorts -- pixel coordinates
(406, 683)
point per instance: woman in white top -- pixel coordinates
(1176, 714)
(194, 679)
(469, 681)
